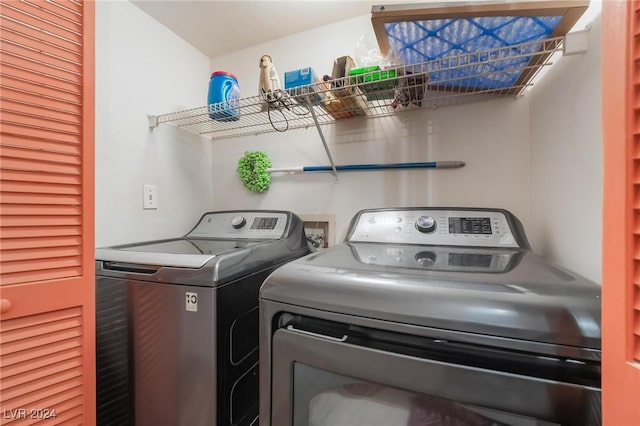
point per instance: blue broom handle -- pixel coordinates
(427, 165)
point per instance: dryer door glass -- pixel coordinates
(325, 373)
(322, 398)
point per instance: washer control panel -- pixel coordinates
(241, 224)
(443, 227)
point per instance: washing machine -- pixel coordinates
(429, 316)
(177, 320)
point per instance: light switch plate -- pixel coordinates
(150, 197)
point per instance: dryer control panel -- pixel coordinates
(449, 259)
(263, 225)
(437, 226)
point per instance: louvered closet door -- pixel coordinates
(47, 326)
(621, 226)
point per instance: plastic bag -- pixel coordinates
(368, 54)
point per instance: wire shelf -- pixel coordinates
(455, 80)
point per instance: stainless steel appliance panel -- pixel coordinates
(519, 296)
(515, 396)
(186, 355)
(174, 357)
(113, 374)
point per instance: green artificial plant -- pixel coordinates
(252, 169)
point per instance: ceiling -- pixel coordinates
(216, 27)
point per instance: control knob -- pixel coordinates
(425, 259)
(426, 224)
(238, 222)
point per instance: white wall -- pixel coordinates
(538, 156)
(566, 161)
(141, 68)
(493, 138)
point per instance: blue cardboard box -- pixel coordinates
(300, 77)
(304, 81)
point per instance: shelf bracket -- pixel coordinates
(576, 42)
(153, 121)
(324, 142)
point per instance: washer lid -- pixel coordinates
(487, 291)
(180, 252)
(222, 247)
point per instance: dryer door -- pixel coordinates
(326, 373)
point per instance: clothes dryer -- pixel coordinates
(429, 316)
